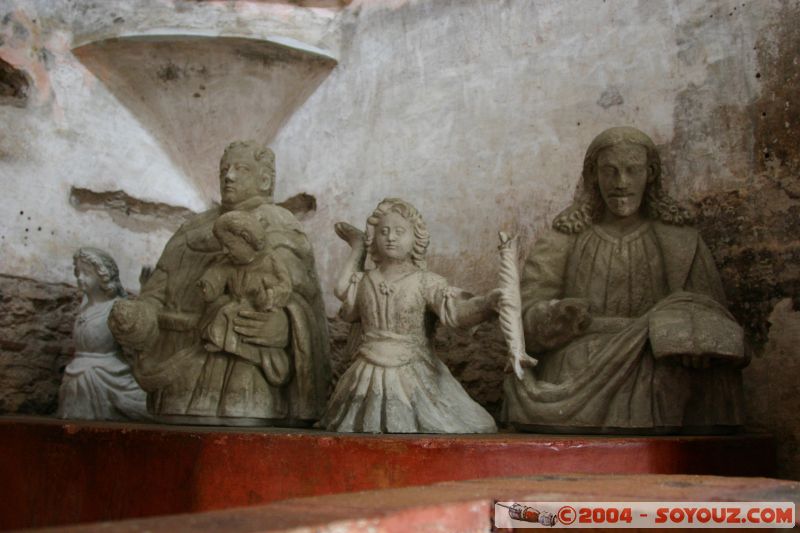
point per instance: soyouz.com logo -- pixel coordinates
(645, 514)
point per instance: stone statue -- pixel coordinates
(247, 278)
(395, 383)
(624, 309)
(98, 383)
(230, 326)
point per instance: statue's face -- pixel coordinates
(394, 237)
(239, 177)
(238, 249)
(622, 176)
(86, 277)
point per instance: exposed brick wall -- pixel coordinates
(36, 321)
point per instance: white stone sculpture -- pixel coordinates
(98, 383)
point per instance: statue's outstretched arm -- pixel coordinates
(461, 309)
(355, 260)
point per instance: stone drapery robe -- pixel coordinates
(183, 379)
(610, 377)
(98, 383)
(396, 384)
(231, 288)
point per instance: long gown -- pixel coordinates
(395, 383)
(188, 384)
(658, 282)
(98, 383)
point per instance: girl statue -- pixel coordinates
(98, 383)
(395, 384)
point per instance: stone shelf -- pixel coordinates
(62, 472)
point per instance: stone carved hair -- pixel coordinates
(421, 236)
(104, 266)
(262, 155)
(240, 224)
(588, 205)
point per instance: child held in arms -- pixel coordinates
(247, 277)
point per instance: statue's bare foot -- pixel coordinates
(349, 233)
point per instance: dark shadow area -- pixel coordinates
(301, 205)
(130, 212)
(14, 85)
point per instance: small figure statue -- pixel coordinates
(200, 367)
(395, 383)
(624, 309)
(247, 278)
(98, 383)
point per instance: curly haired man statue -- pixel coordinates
(624, 308)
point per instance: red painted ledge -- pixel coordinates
(58, 472)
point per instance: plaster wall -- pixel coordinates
(479, 112)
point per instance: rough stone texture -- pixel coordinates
(477, 358)
(340, 350)
(752, 226)
(752, 232)
(143, 216)
(771, 387)
(301, 205)
(35, 342)
(129, 212)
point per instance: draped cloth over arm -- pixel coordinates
(608, 378)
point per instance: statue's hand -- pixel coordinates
(278, 294)
(552, 324)
(493, 299)
(269, 329)
(350, 234)
(205, 289)
(571, 315)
